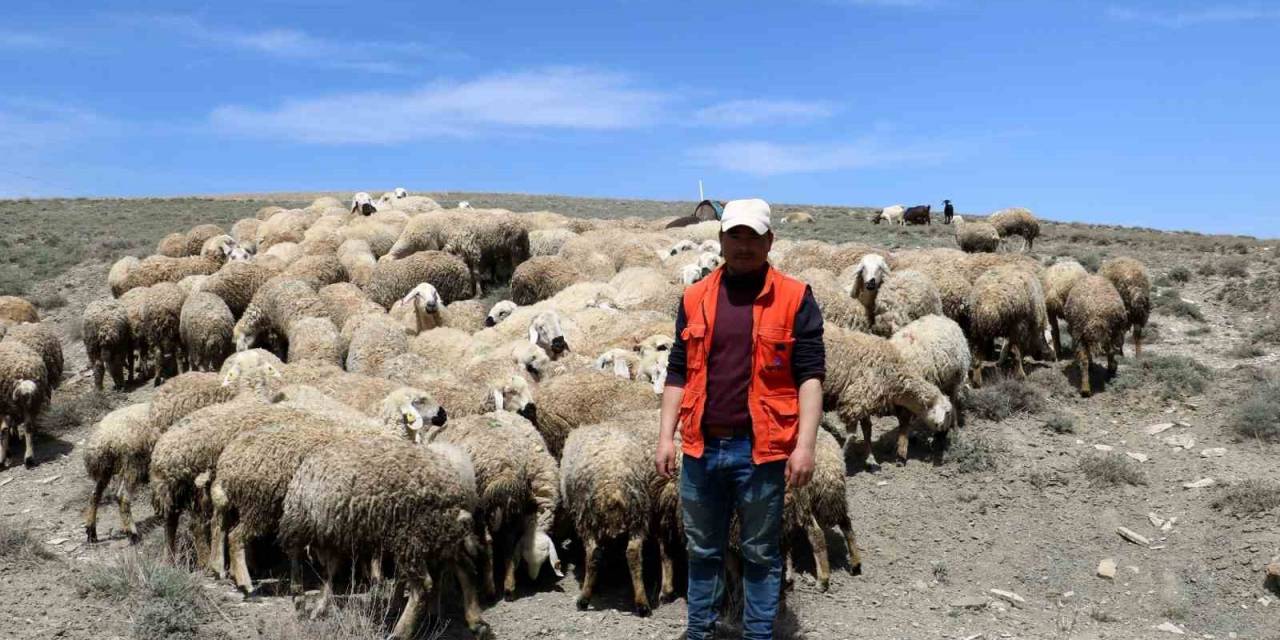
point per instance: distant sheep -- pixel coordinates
(976, 237)
(362, 203)
(797, 217)
(891, 214)
(918, 214)
(541, 277)
(1016, 221)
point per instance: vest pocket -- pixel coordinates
(773, 360)
(695, 346)
(783, 411)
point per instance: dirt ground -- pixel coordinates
(1011, 509)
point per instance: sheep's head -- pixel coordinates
(938, 415)
(691, 273)
(24, 389)
(362, 203)
(400, 192)
(532, 359)
(870, 274)
(254, 372)
(218, 248)
(243, 338)
(653, 368)
(545, 332)
(659, 342)
(464, 205)
(615, 360)
(710, 246)
(499, 312)
(515, 395)
(680, 247)
(877, 217)
(424, 297)
(536, 548)
(411, 409)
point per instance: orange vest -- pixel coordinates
(773, 397)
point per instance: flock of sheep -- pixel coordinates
(329, 380)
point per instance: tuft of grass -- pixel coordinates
(1180, 274)
(941, 572)
(1245, 350)
(1111, 470)
(971, 454)
(1202, 330)
(1052, 381)
(1269, 332)
(48, 301)
(168, 619)
(1103, 616)
(1004, 396)
(1207, 268)
(72, 409)
(1234, 267)
(1170, 301)
(139, 574)
(1041, 478)
(1249, 497)
(1171, 376)
(1259, 416)
(1060, 423)
(357, 616)
(19, 547)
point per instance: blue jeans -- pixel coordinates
(711, 487)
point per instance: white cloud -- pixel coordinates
(358, 53)
(25, 40)
(35, 126)
(740, 113)
(1205, 15)
(558, 98)
(761, 158)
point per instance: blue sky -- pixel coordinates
(1142, 112)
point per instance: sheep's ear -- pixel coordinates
(533, 334)
(621, 369)
(497, 400)
(553, 556)
(657, 382)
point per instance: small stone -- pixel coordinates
(882, 483)
(1168, 525)
(56, 541)
(50, 480)
(1215, 452)
(1133, 536)
(1155, 520)
(1107, 569)
(1134, 569)
(970, 602)
(1103, 447)
(1011, 597)
(1140, 457)
(1199, 484)
(6, 481)
(1170, 627)
(1159, 428)
(1181, 440)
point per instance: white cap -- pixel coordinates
(752, 213)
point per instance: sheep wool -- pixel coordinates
(1058, 280)
(205, 325)
(24, 392)
(117, 447)
(1008, 302)
(392, 279)
(585, 397)
(1134, 285)
(108, 342)
(1097, 318)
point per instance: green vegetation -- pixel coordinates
(972, 453)
(1259, 416)
(1170, 376)
(1170, 301)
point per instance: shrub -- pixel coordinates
(1172, 376)
(1269, 332)
(1002, 397)
(1109, 469)
(1052, 380)
(70, 410)
(1245, 350)
(1170, 301)
(972, 453)
(1060, 423)
(49, 301)
(1207, 268)
(1202, 330)
(1180, 274)
(19, 547)
(1233, 267)
(1249, 497)
(1259, 415)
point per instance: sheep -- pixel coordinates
(604, 478)
(138, 361)
(491, 246)
(1097, 319)
(108, 342)
(344, 301)
(517, 479)
(266, 213)
(1130, 279)
(393, 279)
(245, 233)
(710, 246)
(288, 226)
(119, 274)
(821, 505)
(324, 203)
(620, 362)
(464, 204)
(357, 259)
(280, 255)
(276, 305)
(808, 254)
(42, 339)
(317, 271)
(681, 246)
(578, 398)
(378, 236)
(316, 339)
(935, 348)
(157, 269)
(866, 377)
(376, 340)
(904, 296)
(420, 309)
(541, 277)
(547, 242)
(173, 245)
(976, 264)
(24, 393)
(468, 315)
(943, 268)
(192, 284)
(161, 328)
(1057, 282)
(15, 310)
(236, 283)
(1008, 302)
(891, 214)
(1016, 221)
(198, 235)
(112, 450)
(797, 217)
(406, 501)
(976, 237)
(866, 278)
(837, 306)
(205, 325)
(442, 347)
(362, 203)
(462, 397)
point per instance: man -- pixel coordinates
(948, 212)
(744, 384)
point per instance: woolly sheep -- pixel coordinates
(585, 397)
(373, 342)
(468, 315)
(837, 306)
(245, 232)
(442, 347)
(976, 237)
(1134, 285)
(362, 203)
(316, 339)
(499, 312)
(198, 235)
(236, 283)
(326, 202)
(406, 501)
(461, 397)
(1096, 317)
(797, 217)
(1008, 302)
(935, 348)
(43, 339)
(288, 226)
(110, 451)
(604, 478)
(276, 305)
(24, 393)
(393, 279)
(944, 268)
(317, 271)
(108, 341)
(1016, 221)
(280, 255)
(871, 272)
(541, 277)
(710, 246)
(642, 288)
(547, 242)
(867, 377)
(157, 269)
(517, 479)
(620, 362)
(380, 237)
(1057, 282)
(205, 326)
(357, 259)
(821, 505)
(192, 284)
(173, 245)
(161, 328)
(119, 274)
(976, 264)
(491, 246)
(265, 213)
(344, 301)
(809, 254)
(419, 310)
(139, 356)
(904, 296)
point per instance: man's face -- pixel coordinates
(744, 250)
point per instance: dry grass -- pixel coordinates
(363, 616)
(1109, 470)
(1249, 497)
(1003, 396)
(1259, 416)
(164, 599)
(19, 547)
(971, 453)
(1170, 377)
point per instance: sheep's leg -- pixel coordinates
(331, 564)
(116, 367)
(904, 429)
(471, 604)
(236, 543)
(99, 371)
(27, 430)
(171, 534)
(1016, 350)
(1137, 342)
(851, 541)
(589, 561)
(821, 562)
(5, 426)
(868, 457)
(667, 592)
(408, 622)
(490, 589)
(295, 574)
(509, 573)
(635, 562)
(1057, 337)
(1112, 366)
(1083, 362)
(217, 562)
(126, 513)
(976, 375)
(375, 566)
(91, 512)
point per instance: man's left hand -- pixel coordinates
(800, 467)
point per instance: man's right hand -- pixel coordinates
(666, 457)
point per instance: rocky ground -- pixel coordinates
(1018, 534)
